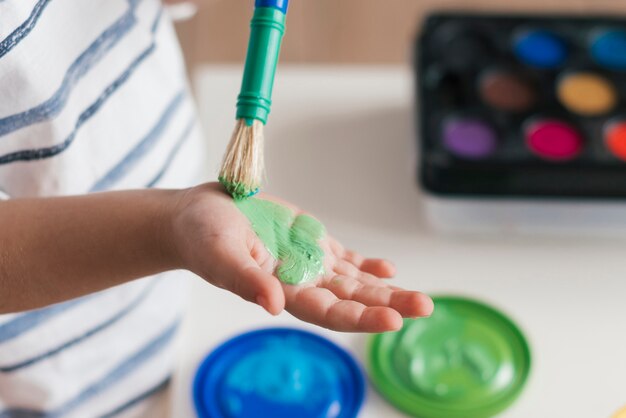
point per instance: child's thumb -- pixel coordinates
(236, 270)
(258, 286)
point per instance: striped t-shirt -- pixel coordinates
(93, 97)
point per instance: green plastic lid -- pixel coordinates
(466, 361)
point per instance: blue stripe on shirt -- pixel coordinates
(77, 70)
(24, 29)
(120, 371)
(47, 152)
(139, 398)
(24, 413)
(136, 302)
(173, 153)
(29, 320)
(142, 148)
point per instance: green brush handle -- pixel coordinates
(255, 98)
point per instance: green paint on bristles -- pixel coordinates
(238, 191)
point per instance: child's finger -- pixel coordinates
(321, 307)
(240, 273)
(345, 268)
(407, 303)
(353, 257)
(380, 268)
(336, 247)
(371, 280)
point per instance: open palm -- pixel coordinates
(215, 240)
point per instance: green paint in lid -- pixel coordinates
(466, 361)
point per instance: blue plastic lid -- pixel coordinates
(609, 49)
(541, 49)
(281, 5)
(278, 372)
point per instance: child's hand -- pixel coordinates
(214, 240)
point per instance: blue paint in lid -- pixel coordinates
(541, 49)
(609, 49)
(278, 373)
(281, 5)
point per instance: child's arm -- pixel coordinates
(55, 249)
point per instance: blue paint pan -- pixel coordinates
(278, 373)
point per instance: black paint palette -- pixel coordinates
(523, 105)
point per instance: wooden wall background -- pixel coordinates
(345, 31)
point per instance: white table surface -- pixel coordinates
(340, 144)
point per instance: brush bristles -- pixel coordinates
(242, 168)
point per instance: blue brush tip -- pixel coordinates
(281, 5)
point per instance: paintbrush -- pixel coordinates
(243, 166)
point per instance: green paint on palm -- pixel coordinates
(293, 240)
